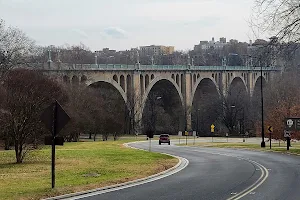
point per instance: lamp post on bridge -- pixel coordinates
(49, 58)
(137, 59)
(96, 58)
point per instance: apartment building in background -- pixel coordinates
(156, 50)
(205, 45)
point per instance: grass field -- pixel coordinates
(79, 166)
(295, 149)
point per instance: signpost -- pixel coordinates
(150, 136)
(212, 130)
(55, 118)
(291, 124)
(186, 133)
(270, 130)
(194, 134)
(287, 135)
(179, 135)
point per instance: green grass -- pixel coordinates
(295, 149)
(75, 164)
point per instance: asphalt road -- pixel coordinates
(219, 174)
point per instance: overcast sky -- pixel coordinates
(122, 24)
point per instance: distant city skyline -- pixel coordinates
(99, 23)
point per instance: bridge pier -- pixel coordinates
(187, 93)
(136, 101)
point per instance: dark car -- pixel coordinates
(164, 138)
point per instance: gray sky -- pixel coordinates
(122, 24)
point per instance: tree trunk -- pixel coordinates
(115, 136)
(35, 143)
(18, 151)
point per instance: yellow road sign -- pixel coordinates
(270, 129)
(186, 133)
(212, 128)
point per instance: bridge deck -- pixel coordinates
(107, 67)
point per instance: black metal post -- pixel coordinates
(53, 145)
(243, 121)
(270, 140)
(197, 129)
(263, 144)
(185, 139)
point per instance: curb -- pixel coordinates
(116, 186)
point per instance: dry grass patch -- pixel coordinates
(80, 166)
(276, 147)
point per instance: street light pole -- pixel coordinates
(263, 144)
(197, 128)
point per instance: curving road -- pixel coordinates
(215, 174)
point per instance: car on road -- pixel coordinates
(164, 138)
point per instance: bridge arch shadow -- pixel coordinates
(113, 111)
(162, 108)
(112, 83)
(240, 82)
(237, 108)
(206, 103)
(256, 96)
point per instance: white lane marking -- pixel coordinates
(261, 180)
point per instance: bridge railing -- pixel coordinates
(65, 66)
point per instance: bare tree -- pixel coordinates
(94, 110)
(27, 94)
(279, 17)
(133, 111)
(15, 48)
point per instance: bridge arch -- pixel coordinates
(122, 82)
(238, 80)
(115, 77)
(162, 106)
(75, 80)
(113, 83)
(83, 79)
(147, 80)
(257, 85)
(152, 76)
(155, 81)
(198, 83)
(205, 104)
